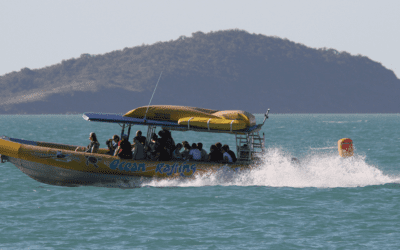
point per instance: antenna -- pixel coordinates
(151, 98)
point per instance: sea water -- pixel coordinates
(323, 202)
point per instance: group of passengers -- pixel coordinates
(161, 148)
(218, 153)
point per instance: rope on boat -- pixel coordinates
(152, 97)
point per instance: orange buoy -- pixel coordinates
(345, 147)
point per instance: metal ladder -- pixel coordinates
(255, 146)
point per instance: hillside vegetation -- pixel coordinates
(219, 70)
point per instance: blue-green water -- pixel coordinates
(326, 202)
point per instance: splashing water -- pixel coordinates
(278, 170)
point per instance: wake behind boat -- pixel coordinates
(60, 164)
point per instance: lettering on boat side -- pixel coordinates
(163, 168)
(127, 166)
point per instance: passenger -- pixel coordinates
(176, 154)
(93, 146)
(124, 148)
(187, 148)
(213, 156)
(142, 139)
(163, 154)
(166, 141)
(170, 141)
(158, 151)
(230, 152)
(227, 157)
(220, 154)
(151, 148)
(115, 141)
(138, 152)
(111, 150)
(204, 154)
(184, 143)
(194, 153)
(112, 144)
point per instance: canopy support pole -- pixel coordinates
(129, 130)
(123, 130)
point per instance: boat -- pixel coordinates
(59, 164)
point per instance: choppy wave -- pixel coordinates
(321, 170)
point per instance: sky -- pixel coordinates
(40, 33)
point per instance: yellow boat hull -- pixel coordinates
(57, 164)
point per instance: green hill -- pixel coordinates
(219, 70)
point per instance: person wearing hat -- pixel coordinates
(124, 148)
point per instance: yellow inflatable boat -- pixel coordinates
(231, 120)
(59, 164)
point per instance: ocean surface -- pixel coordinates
(325, 202)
